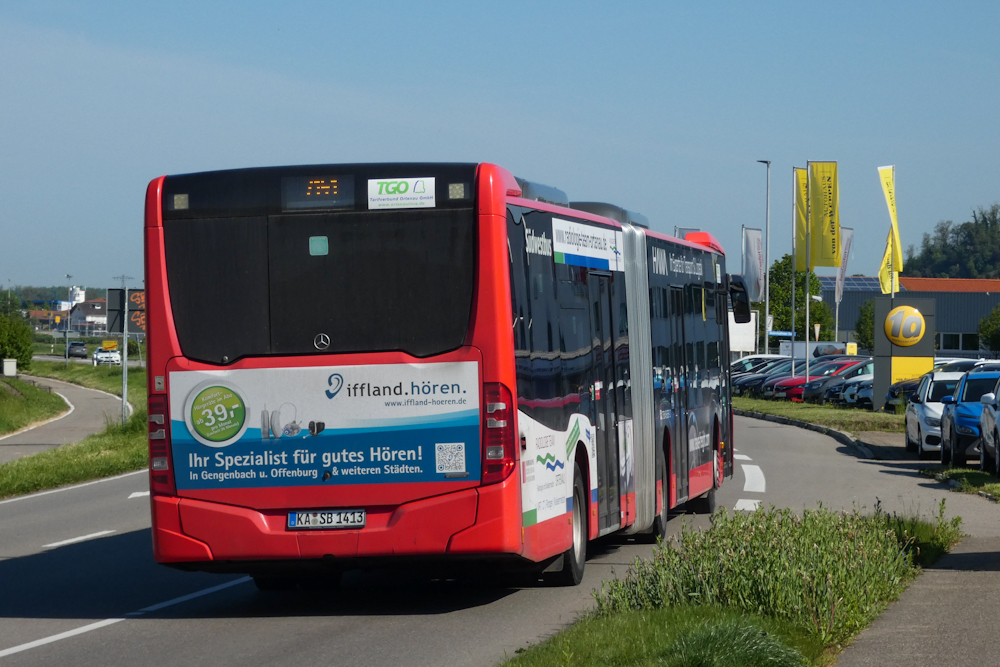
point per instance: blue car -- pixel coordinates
(960, 436)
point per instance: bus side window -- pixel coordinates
(521, 311)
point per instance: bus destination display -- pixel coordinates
(309, 192)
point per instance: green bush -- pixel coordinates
(830, 573)
(15, 341)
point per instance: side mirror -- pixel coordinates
(741, 300)
(988, 399)
(915, 399)
(948, 400)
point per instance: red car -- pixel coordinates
(791, 388)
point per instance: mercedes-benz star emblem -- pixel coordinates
(321, 341)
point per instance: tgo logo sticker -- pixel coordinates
(401, 193)
(336, 381)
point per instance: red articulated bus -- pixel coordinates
(358, 364)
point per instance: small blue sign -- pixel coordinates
(788, 334)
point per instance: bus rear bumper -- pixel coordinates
(464, 522)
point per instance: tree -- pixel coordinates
(989, 331)
(781, 302)
(864, 328)
(967, 250)
(15, 341)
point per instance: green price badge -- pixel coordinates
(218, 414)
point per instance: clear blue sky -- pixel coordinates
(659, 107)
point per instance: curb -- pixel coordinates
(842, 437)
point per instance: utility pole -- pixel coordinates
(767, 259)
(124, 311)
(69, 297)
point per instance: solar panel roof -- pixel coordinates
(853, 283)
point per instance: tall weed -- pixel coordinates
(828, 572)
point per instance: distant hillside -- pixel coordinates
(967, 250)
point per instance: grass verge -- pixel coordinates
(842, 419)
(676, 637)
(26, 405)
(970, 480)
(792, 588)
(120, 448)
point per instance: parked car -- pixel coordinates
(846, 393)
(922, 419)
(961, 413)
(989, 458)
(793, 388)
(865, 397)
(77, 348)
(749, 383)
(104, 357)
(816, 390)
(745, 364)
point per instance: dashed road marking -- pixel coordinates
(754, 479)
(139, 494)
(74, 540)
(111, 621)
(746, 505)
(742, 457)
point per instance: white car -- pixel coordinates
(103, 357)
(923, 412)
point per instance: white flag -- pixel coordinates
(753, 262)
(846, 236)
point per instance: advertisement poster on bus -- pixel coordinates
(371, 424)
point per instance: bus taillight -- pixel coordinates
(160, 479)
(498, 433)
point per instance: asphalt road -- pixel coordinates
(87, 413)
(107, 590)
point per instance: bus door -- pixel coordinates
(605, 410)
(679, 363)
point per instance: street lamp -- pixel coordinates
(767, 256)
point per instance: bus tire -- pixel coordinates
(575, 557)
(659, 531)
(703, 504)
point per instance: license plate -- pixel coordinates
(768, 392)
(779, 394)
(326, 519)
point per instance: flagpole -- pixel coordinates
(808, 262)
(795, 186)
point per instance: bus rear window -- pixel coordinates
(321, 283)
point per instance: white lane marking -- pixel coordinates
(746, 505)
(62, 635)
(755, 479)
(190, 596)
(74, 540)
(111, 621)
(75, 486)
(47, 421)
(139, 494)
(742, 457)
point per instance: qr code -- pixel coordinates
(450, 456)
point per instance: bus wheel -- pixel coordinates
(575, 557)
(660, 522)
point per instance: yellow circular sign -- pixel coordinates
(904, 326)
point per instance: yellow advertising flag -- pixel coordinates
(824, 214)
(801, 190)
(888, 177)
(885, 282)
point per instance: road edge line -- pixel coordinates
(74, 486)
